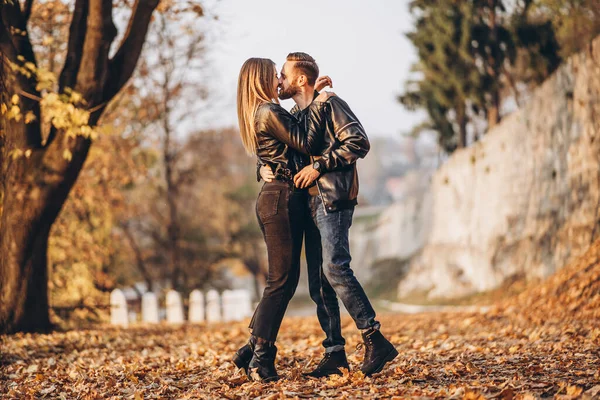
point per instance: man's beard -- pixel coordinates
(288, 93)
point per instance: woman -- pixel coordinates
(274, 136)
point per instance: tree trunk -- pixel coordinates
(173, 227)
(493, 112)
(33, 189)
(170, 161)
(33, 197)
(461, 119)
(26, 210)
(139, 258)
(23, 272)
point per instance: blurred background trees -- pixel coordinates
(150, 196)
(478, 60)
(576, 22)
(145, 196)
(160, 202)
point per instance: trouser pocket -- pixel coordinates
(268, 203)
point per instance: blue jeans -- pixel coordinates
(332, 277)
(321, 292)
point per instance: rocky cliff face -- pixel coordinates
(524, 200)
(395, 232)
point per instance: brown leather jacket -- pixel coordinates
(278, 131)
(344, 142)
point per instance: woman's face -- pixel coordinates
(275, 81)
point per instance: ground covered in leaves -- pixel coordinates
(543, 343)
(441, 355)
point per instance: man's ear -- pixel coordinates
(302, 80)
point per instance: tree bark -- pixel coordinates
(34, 189)
(170, 160)
(24, 298)
(493, 112)
(139, 258)
(23, 228)
(461, 120)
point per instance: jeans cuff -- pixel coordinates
(332, 349)
(375, 326)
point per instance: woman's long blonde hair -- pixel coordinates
(255, 87)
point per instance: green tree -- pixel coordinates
(447, 84)
(576, 22)
(473, 55)
(511, 48)
(493, 46)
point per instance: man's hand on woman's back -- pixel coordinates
(267, 173)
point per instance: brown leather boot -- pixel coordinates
(330, 365)
(378, 352)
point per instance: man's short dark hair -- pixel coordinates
(306, 65)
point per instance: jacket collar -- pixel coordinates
(295, 110)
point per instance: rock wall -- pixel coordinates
(395, 232)
(523, 200)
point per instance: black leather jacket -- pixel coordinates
(344, 142)
(278, 131)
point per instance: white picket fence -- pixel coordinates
(231, 305)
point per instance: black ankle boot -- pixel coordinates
(243, 356)
(378, 351)
(263, 362)
(330, 365)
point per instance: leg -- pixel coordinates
(334, 228)
(298, 219)
(284, 241)
(321, 292)
(328, 308)
(281, 223)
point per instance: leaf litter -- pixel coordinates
(542, 343)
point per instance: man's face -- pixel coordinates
(287, 81)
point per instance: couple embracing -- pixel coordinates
(307, 159)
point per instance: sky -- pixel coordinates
(360, 44)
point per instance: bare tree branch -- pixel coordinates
(3, 99)
(139, 258)
(27, 11)
(92, 75)
(123, 63)
(12, 18)
(77, 33)
(6, 44)
(11, 14)
(25, 135)
(100, 33)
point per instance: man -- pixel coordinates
(332, 182)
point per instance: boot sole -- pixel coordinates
(338, 372)
(392, 354)
(266, 380)
(270, 379)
